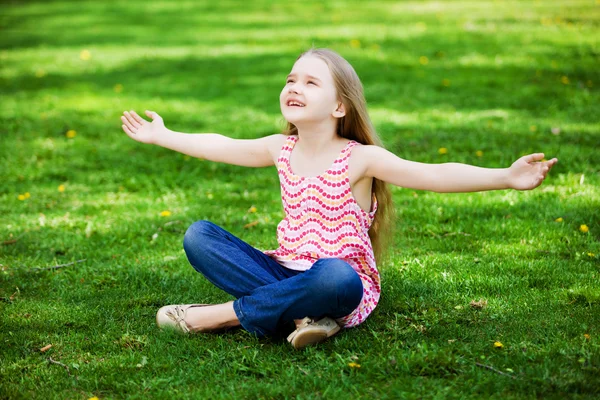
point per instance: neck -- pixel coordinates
(315, 138)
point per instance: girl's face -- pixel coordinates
(309, 95)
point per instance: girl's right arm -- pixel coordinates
(261, 152)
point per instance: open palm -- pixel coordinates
(528, 172)
(141, 130)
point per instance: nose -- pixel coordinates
(293, 88)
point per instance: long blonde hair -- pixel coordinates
(356, 125)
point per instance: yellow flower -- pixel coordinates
(355, 43)
(591, 255)
(564, 80)
(584, 228)
(61, 188)
(85, 55)
(443, 150)
(587, 336)
(498, 345)
(423, 60)
(118, 88)
(94, 398)
(21, 197)
(479, 153)
(165, 213)
(71, 133)
(353, 365)
(252, 209)
(559, 219)
(445, 82)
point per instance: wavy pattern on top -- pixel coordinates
(323, 220)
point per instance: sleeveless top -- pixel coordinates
(323, 220)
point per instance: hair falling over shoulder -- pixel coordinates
(356, 125)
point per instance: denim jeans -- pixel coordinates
(269, 296)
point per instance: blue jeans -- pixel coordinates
(269, 296)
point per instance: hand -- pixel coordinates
(141, 130)
(528, 173)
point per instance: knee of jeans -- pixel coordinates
(195, 238)
(338, 280)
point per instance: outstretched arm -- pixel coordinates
(526, 173)
(209, 146)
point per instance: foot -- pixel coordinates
(191, 318)
(310, 331)
(173, 316)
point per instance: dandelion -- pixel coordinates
(498, 345)
(587, 336)
(355, 43)
(165, 213)
(479, 153)
(21, 197)
(27, 195)
(94, 398)
(559, 219)
(584, 228)
(61, 188)
(592, 255)
(118, 88)
(423, 60)
(445, 82)
(71, 134)
(85, 55)
(353, 365)
(564, 80)
(252, 209)
(443, 150)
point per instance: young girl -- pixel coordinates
(332, 171)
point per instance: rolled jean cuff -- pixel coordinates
(243, 320)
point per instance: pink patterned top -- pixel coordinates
(323, 220)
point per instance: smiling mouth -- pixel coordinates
(293, 103)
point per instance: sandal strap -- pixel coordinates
(177, 315)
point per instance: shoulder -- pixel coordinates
(274, 143)
(364, 157)
(361, 156)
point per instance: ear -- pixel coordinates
(340, 111)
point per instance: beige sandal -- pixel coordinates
(310, 331)
(173, 316)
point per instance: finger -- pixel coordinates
(132, 129)
(533, 157)
(151, 114)
(131, 120)
(128, 132)
(137, 117)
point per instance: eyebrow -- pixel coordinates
(308, 76)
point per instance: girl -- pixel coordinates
(332, 171)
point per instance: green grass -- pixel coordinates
(514, 70)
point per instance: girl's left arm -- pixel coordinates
(526, 173)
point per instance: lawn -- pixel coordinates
(484, 295)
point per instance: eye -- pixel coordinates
(289, 81)
(312, 83)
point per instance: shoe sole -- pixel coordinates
(311, 335)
